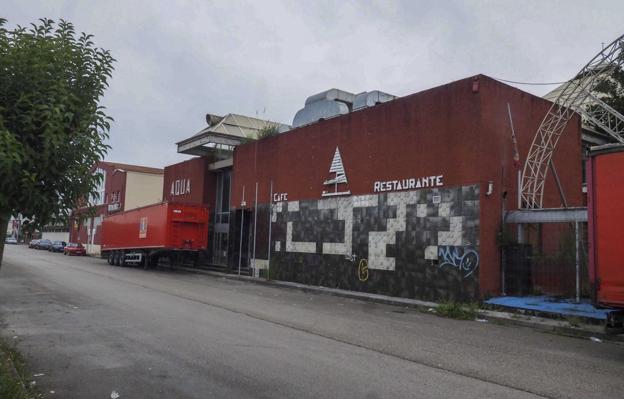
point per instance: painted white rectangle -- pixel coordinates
(363, 201)
(431, 252)
(457, 223)
(453, 238)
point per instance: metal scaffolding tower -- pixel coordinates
(576, 96)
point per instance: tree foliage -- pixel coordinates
(612, 90)
(268, 131)
(52, 128)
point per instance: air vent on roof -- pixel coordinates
(335, 102)
(370, 99)
(212, 119)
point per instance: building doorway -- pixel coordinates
(221, 229)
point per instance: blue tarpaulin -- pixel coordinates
(565, 307)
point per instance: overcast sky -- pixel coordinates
(178, 60)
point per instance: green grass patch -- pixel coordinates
(460, 311)
(13, 371)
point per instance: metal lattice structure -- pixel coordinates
(576, 96)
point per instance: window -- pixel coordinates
(99, 199)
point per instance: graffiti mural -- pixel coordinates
(363, 270)
(416, 244)
(465, 260)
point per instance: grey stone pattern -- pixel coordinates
(399, 234)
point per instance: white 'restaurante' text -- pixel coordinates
(408, 184)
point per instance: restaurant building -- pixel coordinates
(395, 196)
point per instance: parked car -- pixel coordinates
(33, 243)
(10, 240)
(44, 244)
(57, 246)
(74, 248)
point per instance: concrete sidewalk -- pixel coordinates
(557, 323)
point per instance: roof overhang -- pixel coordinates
(547, 215)
(223, 133)
(209, 143)
(606, 148)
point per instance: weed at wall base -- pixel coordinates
(454, 310)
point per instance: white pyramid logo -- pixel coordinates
(341, 178)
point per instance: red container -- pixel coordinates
(164, 225)
(606, 217)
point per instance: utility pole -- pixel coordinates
(270, 222)
(255, 225)
(240, 246)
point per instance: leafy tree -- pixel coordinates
(268, 131)
(612, 90)
(52, 128)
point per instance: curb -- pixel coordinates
(547, 325)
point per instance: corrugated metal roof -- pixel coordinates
(590, 135)
(239, 126)
(581, 81)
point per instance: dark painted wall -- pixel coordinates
(399, 244)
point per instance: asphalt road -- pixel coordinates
(92, 329)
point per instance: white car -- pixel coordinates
(10, 240)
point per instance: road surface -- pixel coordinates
(92, 329)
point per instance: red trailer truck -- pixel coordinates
(605, 186)
(141, 236)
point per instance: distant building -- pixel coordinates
(55, 232)
(13, 227)
(123, 187)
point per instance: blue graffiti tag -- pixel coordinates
(465, 260)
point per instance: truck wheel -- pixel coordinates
(122, 259)
(109, 258)
(117, 258)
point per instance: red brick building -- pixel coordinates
(420, 204)
(396, 196)
(123, 187)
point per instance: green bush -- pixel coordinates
(268, 131)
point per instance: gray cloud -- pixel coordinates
(178, 60)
